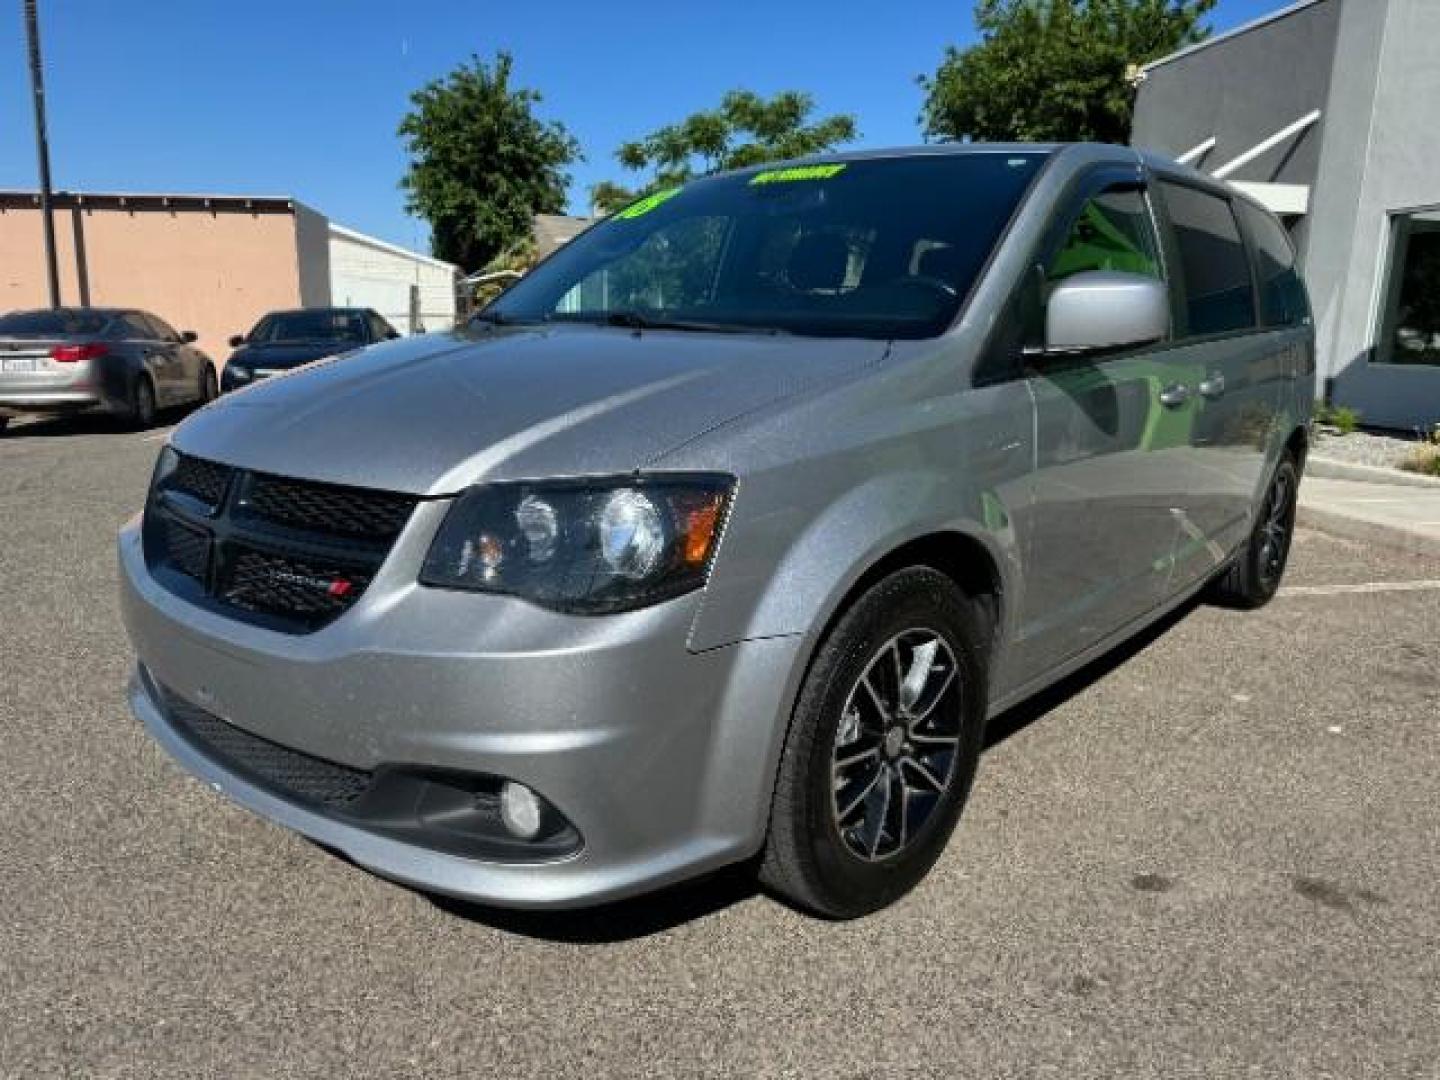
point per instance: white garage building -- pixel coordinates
(413, 292)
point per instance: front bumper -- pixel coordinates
(663, 760)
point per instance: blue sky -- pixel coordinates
(302, 98)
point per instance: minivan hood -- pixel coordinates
(434, 414)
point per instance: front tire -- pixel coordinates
(209, 387)
(142, 405)
(1254, 577)
(882, 748)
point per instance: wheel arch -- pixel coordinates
(1298, 445)
(143, 375)
(961, 556)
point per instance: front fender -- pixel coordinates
(786, 567)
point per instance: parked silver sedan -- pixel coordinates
(116, 360)
(723, 532)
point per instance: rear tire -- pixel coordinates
(142, 405)
(882, 748)
(209, 386)
(1254, 577)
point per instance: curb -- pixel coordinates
(1331, 469)
(1366, 530)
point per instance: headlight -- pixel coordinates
(239, 372)
(582, 546)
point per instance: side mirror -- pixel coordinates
(1102, 309)
(391, 335)
(237, 340)
(189, 337)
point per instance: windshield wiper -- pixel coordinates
(635, 320)
(497, 318)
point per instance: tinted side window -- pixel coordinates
(1214, 268)
(1111, 232)
(135, 326)
(163, 329)
(1282, 296)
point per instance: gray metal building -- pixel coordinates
(1327, 111)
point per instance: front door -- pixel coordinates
(181, 375)
(1113, 445)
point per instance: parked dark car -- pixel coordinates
(115, 360)
(283, 340)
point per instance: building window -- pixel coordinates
(1410, 317)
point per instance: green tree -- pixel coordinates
(745, 130)
(482, 163)
(1054, 70)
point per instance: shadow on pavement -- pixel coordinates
(1015, 720)
(624, 920)
(57, 427)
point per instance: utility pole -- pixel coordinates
(42, 148)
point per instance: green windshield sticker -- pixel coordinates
(796, 173)
(645, 205)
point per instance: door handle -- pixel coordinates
(1172, 397)
(1213, 387)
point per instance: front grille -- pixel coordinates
(340, 511)
(289, 554)
(280, 585)
(204, 480)
(189, 549)
(289, 772)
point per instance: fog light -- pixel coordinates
(520, 810)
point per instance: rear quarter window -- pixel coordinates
(1282, 295)
(1214, 268)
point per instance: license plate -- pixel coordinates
(13, 365)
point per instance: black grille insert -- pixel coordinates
(204, 480)
(339, 511)
(288, 554)
(280, 585)
(189, 549)
(290, 772)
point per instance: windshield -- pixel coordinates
(877, 248)
(47, 324)
(295, 326)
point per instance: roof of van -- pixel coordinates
(1101, 151)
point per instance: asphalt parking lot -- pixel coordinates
(1218, 854)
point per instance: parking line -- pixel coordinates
(1368, 587)
(157, 436)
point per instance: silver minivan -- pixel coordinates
(721, 534)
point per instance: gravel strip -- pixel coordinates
(1365, 448)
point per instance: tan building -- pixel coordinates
(214, 264)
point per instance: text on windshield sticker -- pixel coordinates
(797, 173)
(645, 205)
